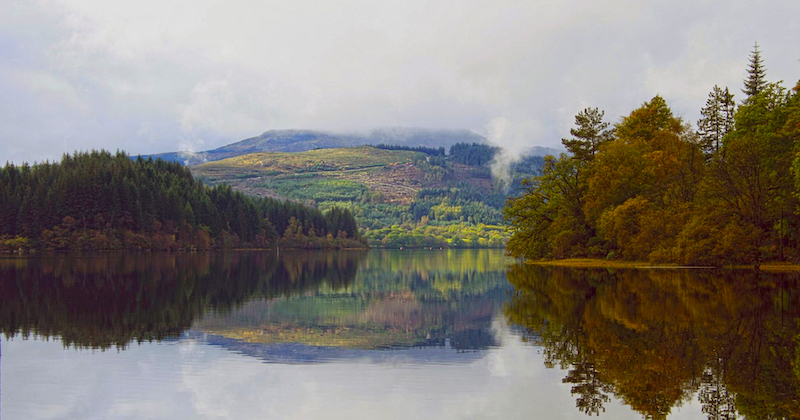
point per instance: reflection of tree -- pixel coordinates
(591, 390)
(718, 402)
(111, 300)
(655, 338)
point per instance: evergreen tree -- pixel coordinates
(717, 120)
(756, 75)
(115, 202)
(590, 133)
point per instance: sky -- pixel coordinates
(164, 75)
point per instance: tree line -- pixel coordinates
(102, 201)
(473, 153)
(651, 187)
(431, 151)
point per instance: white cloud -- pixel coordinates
(221, 71)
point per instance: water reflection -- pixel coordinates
(396, 300)
(657, 338)
(337, 300)
(112, 300)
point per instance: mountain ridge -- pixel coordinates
(300, 140)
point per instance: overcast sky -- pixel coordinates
(162, 75)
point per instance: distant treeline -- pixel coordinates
(99, 201)
(652, 188)
(432, 151)
(473, 153)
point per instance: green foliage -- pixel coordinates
(548, 220)
(439, 235)
(317, 188)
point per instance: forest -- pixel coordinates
(102, 201)
(652, 188)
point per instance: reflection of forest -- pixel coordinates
(111, 300)
(657, 338)
(412, 298)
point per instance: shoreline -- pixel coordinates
(772, 266)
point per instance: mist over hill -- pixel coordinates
(304, 140)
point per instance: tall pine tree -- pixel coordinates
(756, 75)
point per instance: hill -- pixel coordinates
(303, 140)
(400, 197)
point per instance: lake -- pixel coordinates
(424, 334)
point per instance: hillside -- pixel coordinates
(345, 174)
(399, 197)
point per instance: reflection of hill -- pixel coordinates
(397, 299)
(655, 338)
(111, 300)
(296, 353)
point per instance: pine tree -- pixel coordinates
(590, 133)
(717, 120)
(756, 75)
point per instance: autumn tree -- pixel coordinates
(643, 183)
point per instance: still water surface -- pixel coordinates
(391, 334)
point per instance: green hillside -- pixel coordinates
(400, 198)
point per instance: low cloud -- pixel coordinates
(221, 72)
(515, 138)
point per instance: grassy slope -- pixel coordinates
(326, 174)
